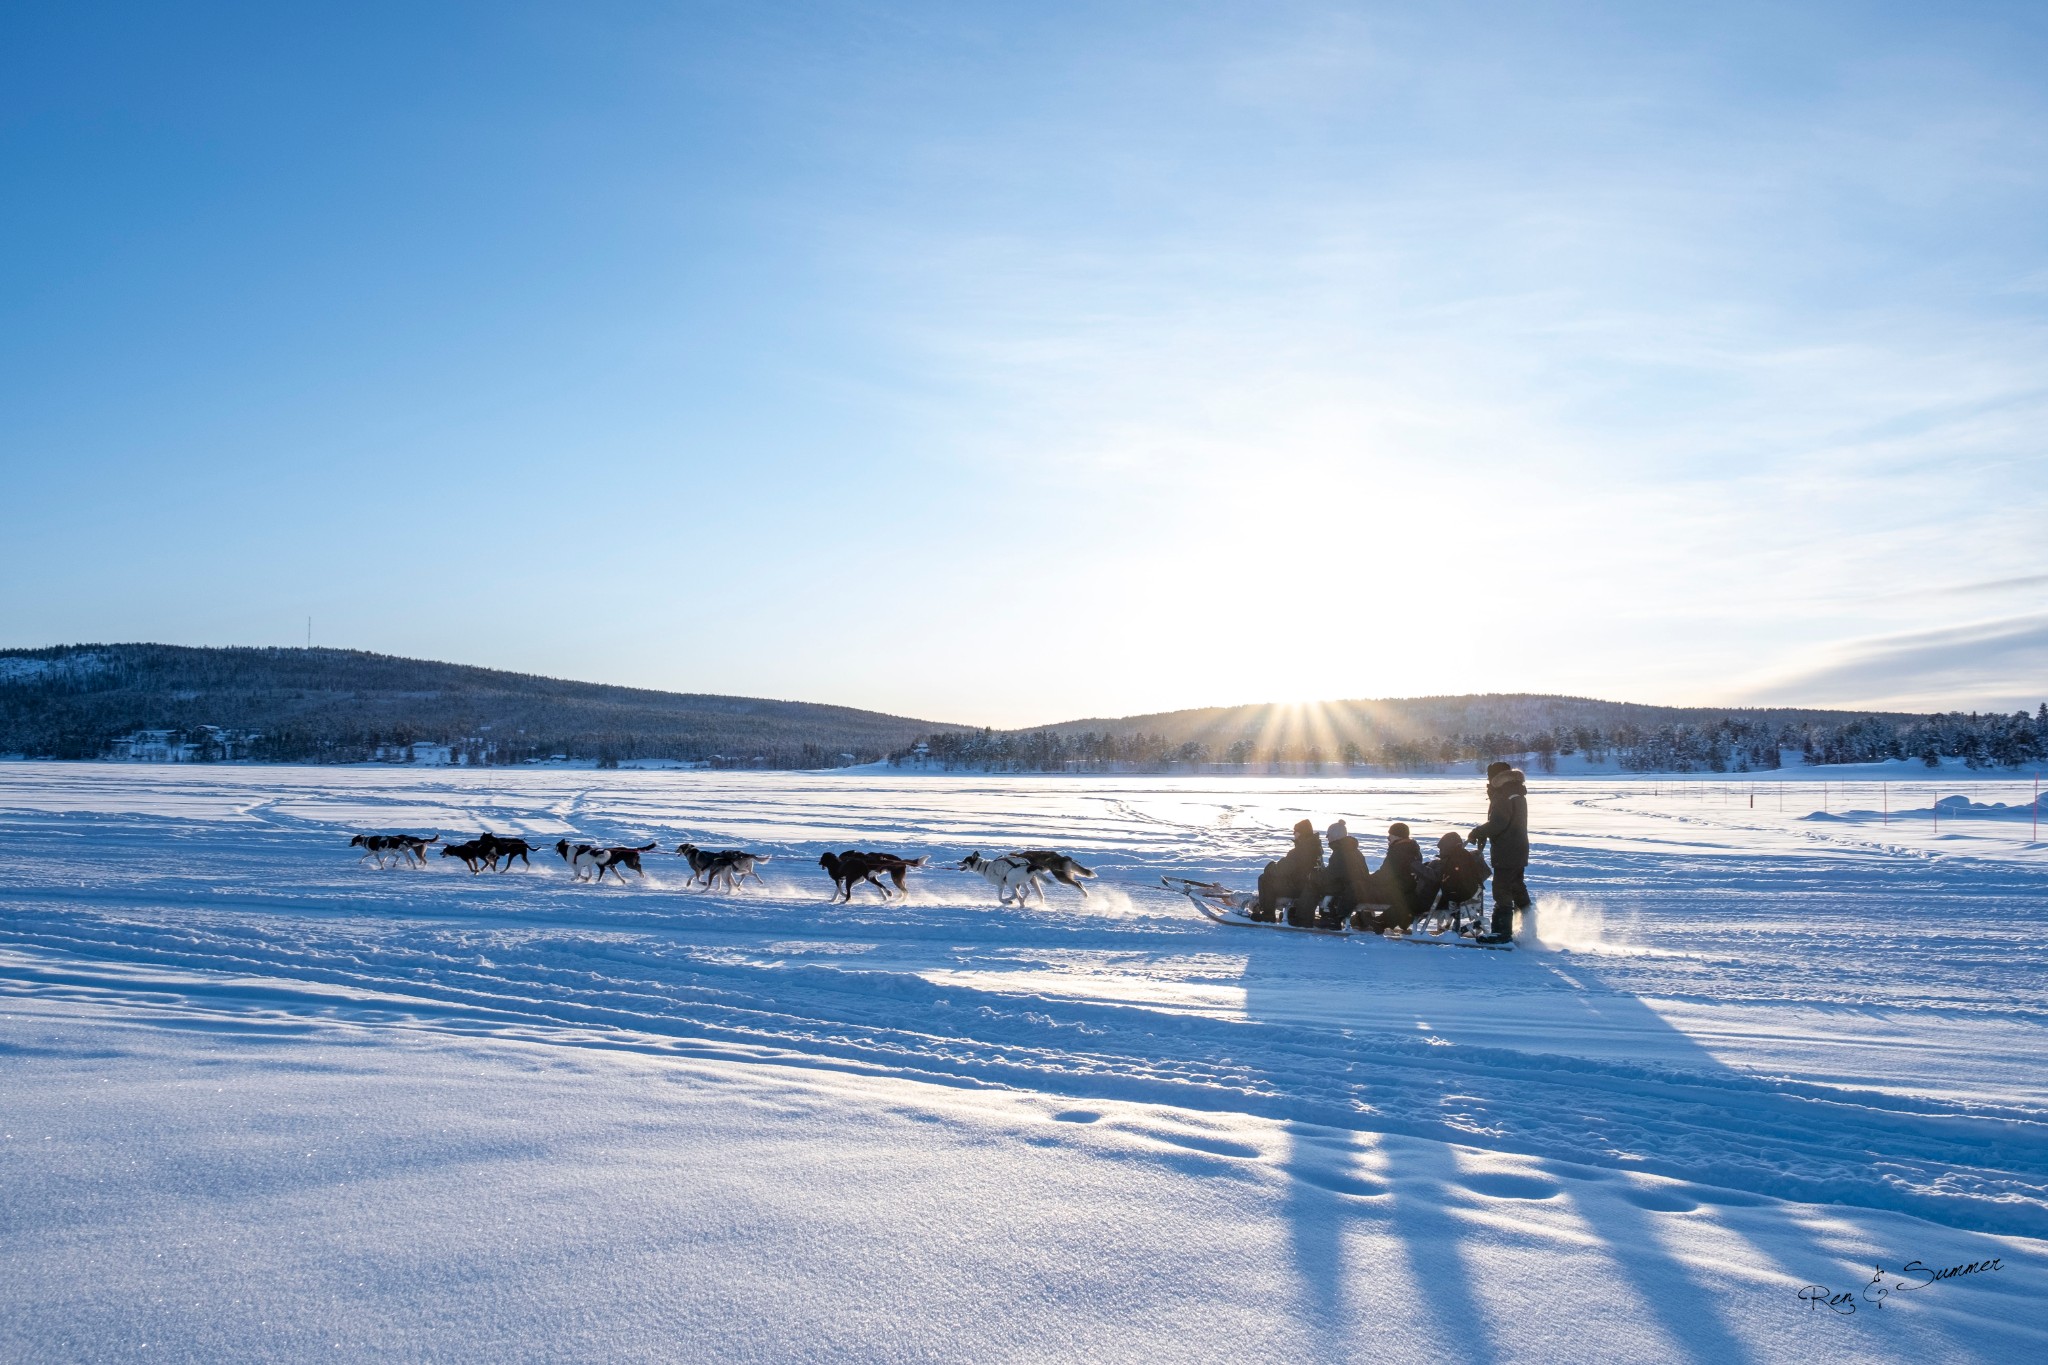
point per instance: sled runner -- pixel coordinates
(1219, 903)
(1460, 942)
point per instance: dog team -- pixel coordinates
(1014, 875)
(1298, 886)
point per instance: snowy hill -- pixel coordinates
(339, 705)
(163, 702)
(1427, 733)
(1426, 718)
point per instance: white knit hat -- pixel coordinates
(1338, 830)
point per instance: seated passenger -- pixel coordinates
(1403, 864)
(1293, 878)
(1454, 876)
(1348, 881)
(1390, 900)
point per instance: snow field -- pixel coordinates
(265, 1102)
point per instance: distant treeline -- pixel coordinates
(1713, 742)
(345, 706)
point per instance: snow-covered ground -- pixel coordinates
(261, 1101)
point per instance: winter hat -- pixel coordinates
(1337, 830)
(1497, 767)
(1397, 830)
(1451, 841)
(1304, 827)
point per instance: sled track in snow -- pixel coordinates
(266, 924)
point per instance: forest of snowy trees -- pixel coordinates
(1710, 742)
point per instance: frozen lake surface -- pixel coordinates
(263, 1101)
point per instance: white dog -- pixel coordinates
(1010, 875)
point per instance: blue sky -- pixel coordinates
(1013, 363)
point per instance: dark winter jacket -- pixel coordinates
(1398, 872)
(1300, 863)
(1458, 875)
(1404, 858)
(1507, 820)
(1295, 875)
(1350, 876)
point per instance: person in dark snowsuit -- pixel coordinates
(1348, 880)
(1507, 829)
(1395, 884)
(1454, 876)
(1295, 878)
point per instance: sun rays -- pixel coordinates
(1299, 732)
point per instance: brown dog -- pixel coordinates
(854, 866)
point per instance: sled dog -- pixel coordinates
(854, 866)
(406, 848)
(474, 854)
(732, 865)
(616, 858)
(586, 861)
(1058, 866)
(1009, 875)
(496, 846)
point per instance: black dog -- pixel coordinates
(497, 846)
(854, 866)
(616, 858)
(473, 854)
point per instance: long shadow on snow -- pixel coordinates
(1431, 1235)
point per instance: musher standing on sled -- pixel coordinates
(1507, 826)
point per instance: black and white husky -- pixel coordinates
(732, 866)
(1018, 873)
(586, 861)
(399, 848)
(1058, 866)
(1010, 875)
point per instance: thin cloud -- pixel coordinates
(2039, 580)
(1982, 588)
(1992, 664)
